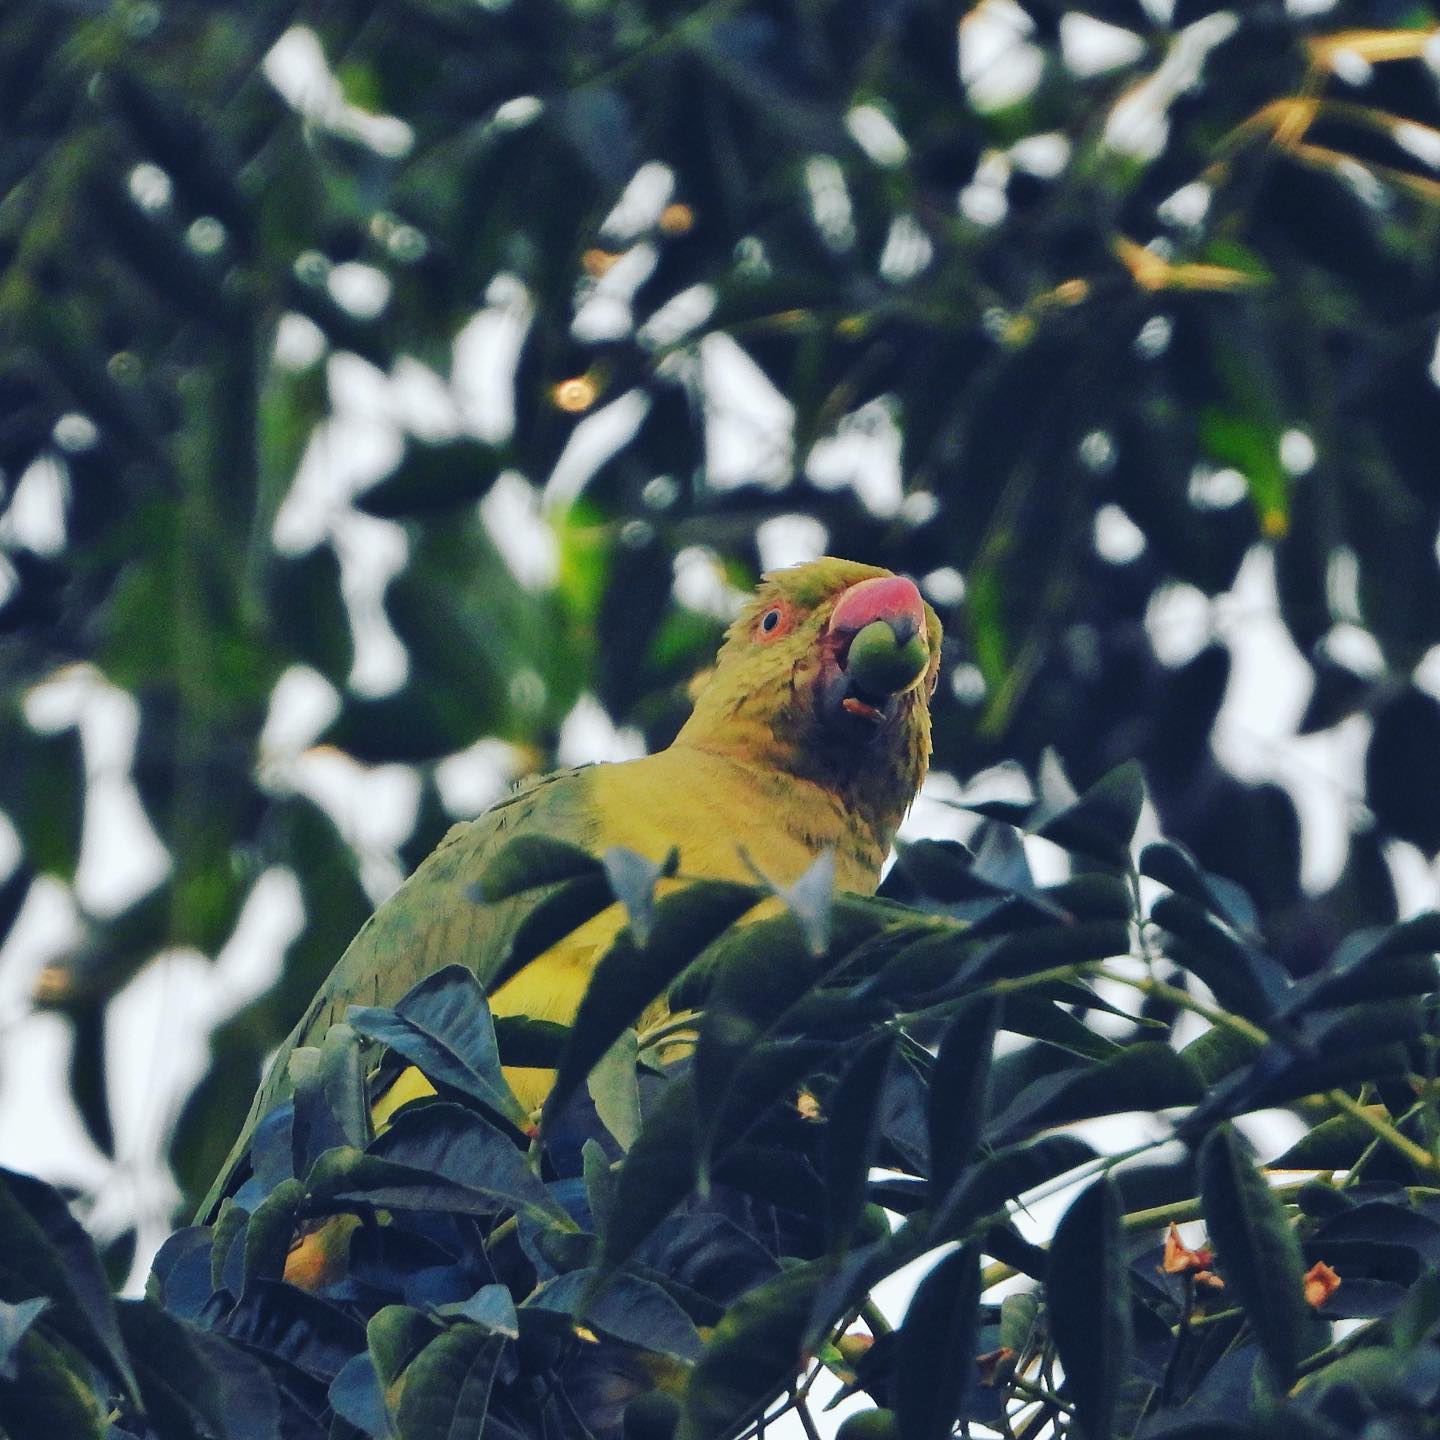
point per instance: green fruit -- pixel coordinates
(869, 1425)
(651, 1416)
(879, 664)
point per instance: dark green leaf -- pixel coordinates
(1088, 1294)
(490, 1306)
(1259, 1254)
(958, 1096)
(178, 1384)
(1148, 1075)
(1244, 978)
(433, 1154)
(293, 1326)
(1334, 1144)
(754, 1352)
(614, 1089)
(850, 1136)
(447, 1387)
(358, 1398)
(628, 978)
(1043, 1019)
(44, 1251)
(1101, 823)
(53, 1395)
(529, 862)
(625, 1306)
(271, 1231)
(935, 1366)
(1402, 768)
(15, 1320)
(395, 1335)
(1171, 864)
(443, 1027)
(985, 1187)
(243, 1389)
(658, 1173)
(330, 1106)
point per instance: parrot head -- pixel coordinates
(826, 674)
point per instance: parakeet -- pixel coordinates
(811, 733)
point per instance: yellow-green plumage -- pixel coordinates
(760, 770)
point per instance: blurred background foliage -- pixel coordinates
(470, 355)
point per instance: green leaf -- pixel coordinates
(1088, 1294)
(1044, 947)
(491, 1306)
(614, 1088)
(446, 1393)
(271, 1230)
(178, 1385)
(985, 1186)
(628, 979)
(1173, 865)
(44, 1251)
(1147, 1075)
(1258, 1252)
(330, 1105)
(754, 1352)
(357, 1397)
(550, 920)
(1253, 448)
(1219, 1052)
(1244, 978)
(526, 1042)
(244, 1392)
(1366, 967)
(1334, 1144)
(443, 1027)
(15, 1320)
(1418, 1317)
(529, 862)
(436, 1156)
(657, 1175)
(296, 1328)
(958, 1095)
(850, 1136)
(935, 1364)
(1043, 1019)
(45, 794)
(1101, 823)
(599, 1183)
(395, 1335)
(625, 1307)
(767, 1020)
(53, 1395)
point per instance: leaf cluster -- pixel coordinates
(689, 1239)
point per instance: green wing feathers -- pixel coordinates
(436, 918)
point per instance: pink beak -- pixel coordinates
(891, 598)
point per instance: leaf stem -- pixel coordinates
(1417, 1155)
(1034, 1391)
(1161, 990)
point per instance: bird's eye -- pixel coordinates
(770, 620)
